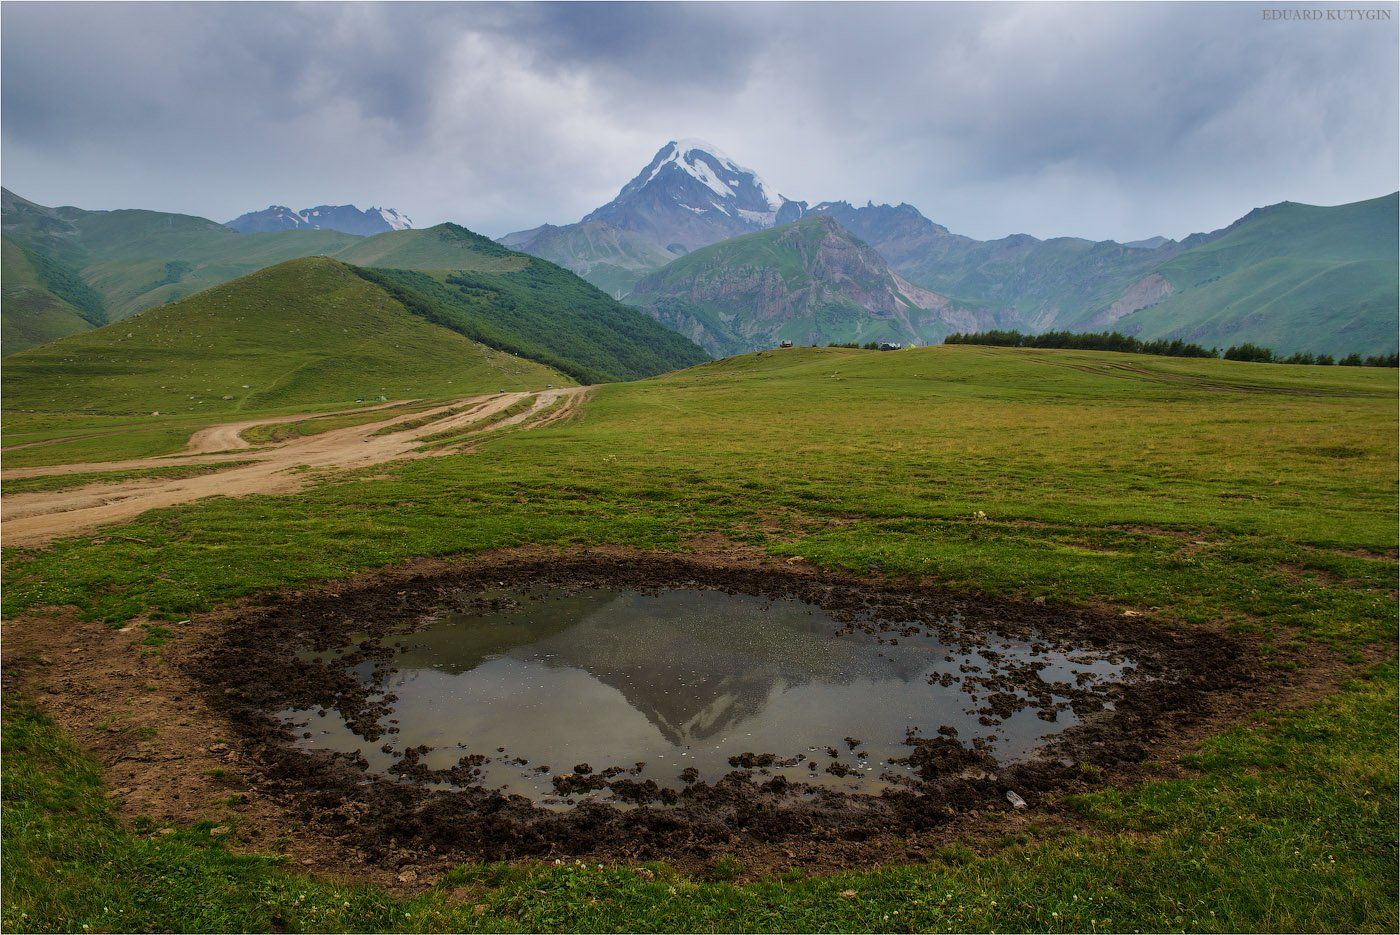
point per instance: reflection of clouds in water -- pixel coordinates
(531, 709)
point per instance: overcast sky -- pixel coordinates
(1099, 120)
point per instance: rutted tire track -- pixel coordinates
(36, 518)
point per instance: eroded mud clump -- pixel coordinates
(283, 657)
(939, 757)
(753, 760)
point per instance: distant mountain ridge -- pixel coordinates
(347, 219)
(1063, 282)
(1290, 291)
(1290, 276)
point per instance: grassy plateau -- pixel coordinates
(1258, 497)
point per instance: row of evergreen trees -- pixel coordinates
(1262, 355)
(1114, 341)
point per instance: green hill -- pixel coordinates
(545, 313)
(1291, 277)
(304, 333)
(33, 312)
(446, 246)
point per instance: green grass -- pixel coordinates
(1097, 472)
(50, 482)
(1254, 495)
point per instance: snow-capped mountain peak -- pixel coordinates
(347, 219)
(689, 195)
(713, 168)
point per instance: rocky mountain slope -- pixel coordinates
(347, 219)
(811, 282)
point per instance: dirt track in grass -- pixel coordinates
(184, 732)
(36, 518)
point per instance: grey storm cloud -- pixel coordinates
(1102, 120)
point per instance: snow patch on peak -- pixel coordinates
(762, 218)
(394, 219)
(701, 170)
(690, 144)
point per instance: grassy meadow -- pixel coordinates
(1258, 496)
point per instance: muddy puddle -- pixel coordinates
(650, 706)
(557, 693)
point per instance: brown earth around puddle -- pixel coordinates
(184, 731)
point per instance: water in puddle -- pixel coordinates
(659, 682)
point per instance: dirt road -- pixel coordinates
(35, 518)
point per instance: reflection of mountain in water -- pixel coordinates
(697, 662)
(681, 678)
